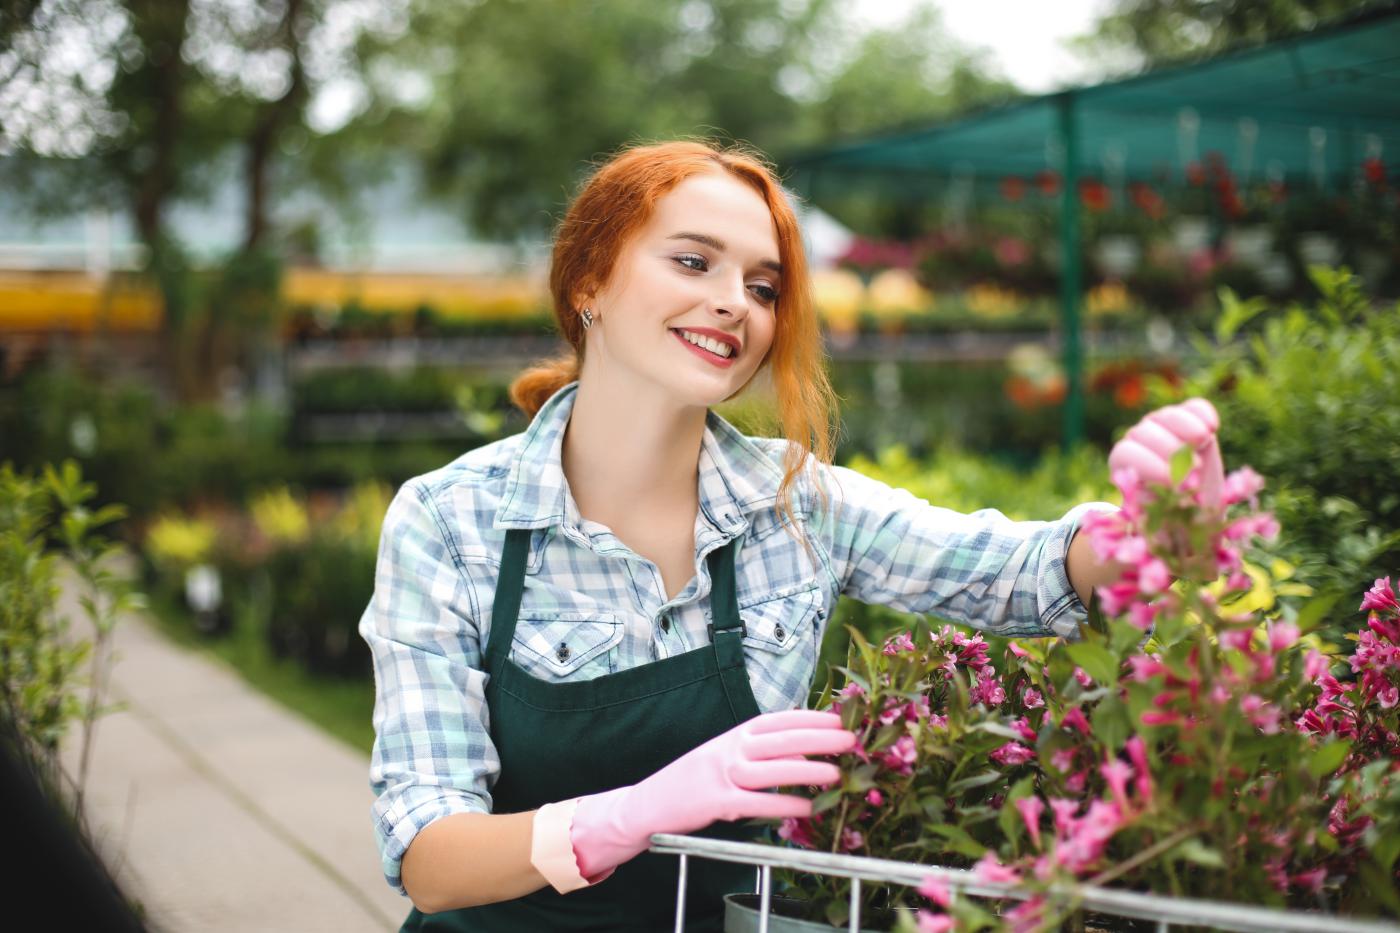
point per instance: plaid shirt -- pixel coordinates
(592, 606)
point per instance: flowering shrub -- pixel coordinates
(1191, 743)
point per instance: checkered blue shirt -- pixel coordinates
(592, 606)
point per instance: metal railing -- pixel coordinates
(1166, 911)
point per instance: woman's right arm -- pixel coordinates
(468, 859)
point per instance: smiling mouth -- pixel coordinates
(733, 352)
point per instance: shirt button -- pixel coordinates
(666, 624)
(779, 633)
(562, 652)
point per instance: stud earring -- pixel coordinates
(587, 318)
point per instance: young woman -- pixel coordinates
(607, 626)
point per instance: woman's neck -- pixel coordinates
(627, 452)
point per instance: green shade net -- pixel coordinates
(1306, 109)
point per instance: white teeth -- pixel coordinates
(709, 343)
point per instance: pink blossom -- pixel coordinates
(1117, 774)
(1380, 597)
(1238, 580)
(1315, 665)
(852, 689)
(1144, 667)
(1137, 751)
(899, 644)
(1143, 615)
(990, 870)
(1236, 639)
(1011, 754)
(1160, 718)
(1065, 811)
(1278, 874)
(934, 923)
(1023, 727)
(1032, 699)
(851, 839)
(1083, 678)
(1062, 759)
(901, 755)
(1074, 718)
(1282, 635)
(1311, 881)
(1028, 916)
(936, 889)
(874, 797)
(1240, 485)
(1017, 650)
(798, 832)
(1076, 781)
(1153, 576)
(1031, 809)
(988, 690)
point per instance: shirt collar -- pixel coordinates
(736, 477)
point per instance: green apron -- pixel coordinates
(563, 740)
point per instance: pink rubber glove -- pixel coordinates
(1148, 446)
(727, 778)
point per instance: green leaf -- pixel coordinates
(826, 800)
(1181, 464)
(976, 780)
(1315, 610)
(1111, 723)
(1098, 662)
(959, 840)
(1193, 850)
(1328, 758)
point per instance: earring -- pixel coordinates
(587, 318)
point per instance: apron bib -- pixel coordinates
(563, 740)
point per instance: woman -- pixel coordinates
(606, 627)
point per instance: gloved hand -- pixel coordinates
(724, 779)
(1148, 446)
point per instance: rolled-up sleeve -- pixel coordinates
(433, 754)
(891, 548)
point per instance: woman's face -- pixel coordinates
(706, 263)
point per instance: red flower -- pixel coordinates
(1013, 188)
(1047, 183)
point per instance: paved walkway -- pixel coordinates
(220, 810)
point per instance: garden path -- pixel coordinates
(220, 810)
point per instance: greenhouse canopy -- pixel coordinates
(1306, 110)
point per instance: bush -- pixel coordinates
(1309, 395)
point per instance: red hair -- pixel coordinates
(614, 204)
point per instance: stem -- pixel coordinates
(1146, 855)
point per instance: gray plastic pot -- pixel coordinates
(741, 916)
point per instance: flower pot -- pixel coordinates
(741, 912)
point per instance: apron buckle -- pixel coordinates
(741, 628)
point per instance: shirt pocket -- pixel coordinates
(777, 622)
(566, 644)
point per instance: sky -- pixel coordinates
(1024, 36)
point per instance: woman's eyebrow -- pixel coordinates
(718, 246)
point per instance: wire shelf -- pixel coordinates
(1166, 911)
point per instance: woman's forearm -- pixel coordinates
(469, 859)
(1084, 570)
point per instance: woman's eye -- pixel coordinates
(766, 293)
(700, 262)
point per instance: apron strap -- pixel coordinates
(727, 633)
(510, 584)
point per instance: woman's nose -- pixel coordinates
(732, 297)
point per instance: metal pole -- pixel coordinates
(765, 885)
(1071, 262)
(855, 905)
(680, 895)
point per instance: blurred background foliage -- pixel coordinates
(288, 398)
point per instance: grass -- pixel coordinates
(341, 706)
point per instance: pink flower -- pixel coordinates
(1316, 665)
(874, 797)
(852, 689)
(1240, 485)
(1236, 639)
(899, 644)
(851, 839)
(798, 832)
(992, 871)
(1160, 718)
(1143, 615)
(1074, 719)
(1023, 727)
(1117, 774)
(1380, 597)
(1137, 751)
(1017, 650)
(1031, 809)
(1153, 576)
(934, 923)
(936, 890)
(1282, 635)
(1083, 678)
(1032, 699)
(1311, 881)
(1144, 667)
(1065, 811)
(901, 755)
(1028, 916)
(988, 690)
(1076, 781)
(1011, 754)
(1062, 759)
